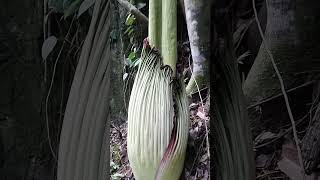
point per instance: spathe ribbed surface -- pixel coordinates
(150, 122)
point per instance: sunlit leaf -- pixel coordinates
(131, 56)
(130, 20)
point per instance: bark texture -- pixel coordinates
(288, 35)
(198, 24)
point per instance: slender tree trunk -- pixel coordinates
(198, 24)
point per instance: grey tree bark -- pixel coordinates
(197, 13)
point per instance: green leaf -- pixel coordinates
(48, 46)
(131, 56)
(130, 20)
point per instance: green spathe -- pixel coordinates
(151, 122)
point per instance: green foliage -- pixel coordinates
(132, 59)
(69, 7)
(132, 56)
(130, 20)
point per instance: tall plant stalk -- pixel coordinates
(169, 34)
(154, 23)
(158, 113)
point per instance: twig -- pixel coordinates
(132, 9)
(281, 85)
(267, 174)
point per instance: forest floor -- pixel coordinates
(275, 151)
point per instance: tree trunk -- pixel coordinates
(25, 151)
(291, 36)
(198, 24)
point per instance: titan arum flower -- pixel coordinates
(158, 113)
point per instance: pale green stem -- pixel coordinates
(169, 34)
(154, 29)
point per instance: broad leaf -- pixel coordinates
(48, 46)
(131, 56)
